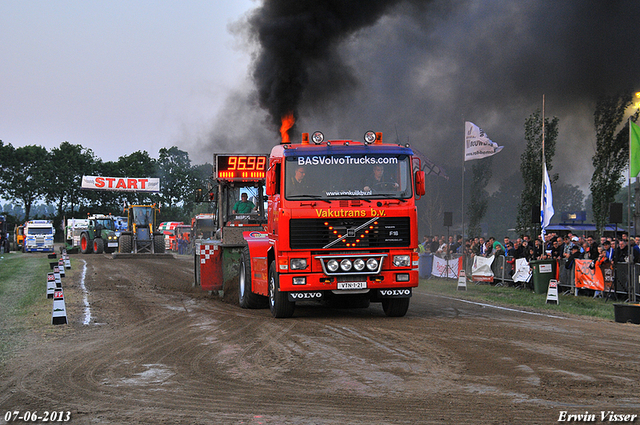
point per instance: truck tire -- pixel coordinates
(246, 297)
(86, 246)
(98, 245)
(395, 307)
(124, 244)
(158, 244)
(279, 303)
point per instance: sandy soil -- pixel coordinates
(156, 350)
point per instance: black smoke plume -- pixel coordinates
(301, 38)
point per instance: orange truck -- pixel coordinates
(340, 226)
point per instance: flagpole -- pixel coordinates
(463, 160)
(543, 171)
(631, 292)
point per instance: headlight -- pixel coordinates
(317, 137)
(345, 265)
(332, 265)
(358, 264)
(372, 264)
(402, 260)
(298, 263)
(369, 137)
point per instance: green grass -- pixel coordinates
(521, 298)
(23, 280)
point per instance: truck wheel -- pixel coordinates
(124, 244)
(395, 307)
(85, 244)
(158, 244)
(279, 303)
(98, 245)
(246, 297)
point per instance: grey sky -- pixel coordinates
(122, 76)
(115, 76)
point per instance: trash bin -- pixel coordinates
(543, 272)
(425, 264)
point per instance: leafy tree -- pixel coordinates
(137, 164)
(477, 206)
(531, 168)
(612, 154)
(503, 205)
(69, 163)
(567, 198)
(174, 169)
(26, 170)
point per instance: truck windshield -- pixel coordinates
(348, 176)
(142, 216)
(106, 224)
(40, 230)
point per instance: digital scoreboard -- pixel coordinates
(241, 167)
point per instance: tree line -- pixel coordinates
(31, 175)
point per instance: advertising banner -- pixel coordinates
(586, 277)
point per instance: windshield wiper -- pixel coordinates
(318, 197)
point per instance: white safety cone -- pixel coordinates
(552, 292)
(59, 311)
(51, 284)
(462, 280)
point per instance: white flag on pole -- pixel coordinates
(477, 144)
(546, 201)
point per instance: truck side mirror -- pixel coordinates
(420, 183)
(270, 187)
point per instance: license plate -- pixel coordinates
(352, 285)
(112, 245)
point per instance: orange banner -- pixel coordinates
(587, 277)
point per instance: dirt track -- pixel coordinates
(159, 351)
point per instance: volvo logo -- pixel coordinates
(305, 295)
(395, 292)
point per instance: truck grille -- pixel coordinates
(312, 233)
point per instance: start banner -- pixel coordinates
(121, 184)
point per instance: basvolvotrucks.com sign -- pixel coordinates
(124, 184)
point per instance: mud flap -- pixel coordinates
(210, 255)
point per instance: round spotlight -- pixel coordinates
(345, 265)
(332, 265)
(369, 137)
(358, 264)
(372, 264)
(317, 137)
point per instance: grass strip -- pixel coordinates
(510, 296)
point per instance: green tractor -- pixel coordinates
(142, 234)
(100, 235)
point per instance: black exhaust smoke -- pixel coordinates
(296, 35)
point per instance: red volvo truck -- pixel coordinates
(340, 226)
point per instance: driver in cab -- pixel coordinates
(243, 206)
(376, 181)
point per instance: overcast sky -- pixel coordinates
(122, 76)
(115, 76)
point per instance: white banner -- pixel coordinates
(440, 268)
(476, 143)
(121, 184)
(481, 270)
(523, 271)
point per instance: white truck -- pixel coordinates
(38, 236)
